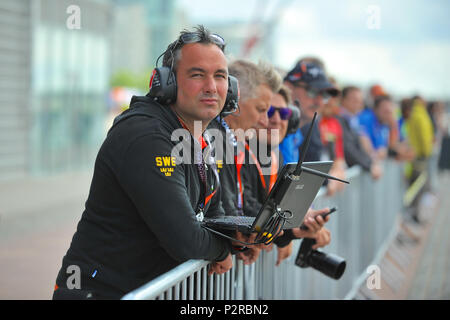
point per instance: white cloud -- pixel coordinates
(393, 56)
(409, 52)
(401, 69)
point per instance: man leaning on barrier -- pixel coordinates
(141, 216)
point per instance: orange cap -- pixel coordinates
(377, 90)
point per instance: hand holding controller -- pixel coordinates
(323, 215)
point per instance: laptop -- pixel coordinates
(291, 196)
(295, 200)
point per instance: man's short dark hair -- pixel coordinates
(172, 54)
(349, 89)
(406, 105)
(381, 99)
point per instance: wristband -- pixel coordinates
(285, 239)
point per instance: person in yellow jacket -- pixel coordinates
(420, 130)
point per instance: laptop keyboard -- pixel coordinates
(233, 220)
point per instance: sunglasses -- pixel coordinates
(314, 93)
(192, 37)
(285, 113)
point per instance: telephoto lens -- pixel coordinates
(329, 264)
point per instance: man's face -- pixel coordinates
(384, 112)
(329, 108)
(253, 111)
(202, 82)
(353, 101)
(308, 103)
(275, 123)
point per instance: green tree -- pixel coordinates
(126, 78)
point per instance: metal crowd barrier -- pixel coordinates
(367, 217)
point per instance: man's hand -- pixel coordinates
(338, 171)
(252, 253)
(314, 222)
(381, 153)
(284, 253)
(220, 267)
(266, 247)
(322, 238)
(376, 171)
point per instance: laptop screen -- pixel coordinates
(292, 194)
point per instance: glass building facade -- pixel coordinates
(70, 85)
(55, 77)
(57, 113)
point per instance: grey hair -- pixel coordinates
(251, 76)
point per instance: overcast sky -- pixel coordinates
(403, 44)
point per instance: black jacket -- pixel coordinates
(225, 152)
(139, 220)
(255, 193)
(315, 148)
(353, 152)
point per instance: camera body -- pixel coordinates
(329, 264)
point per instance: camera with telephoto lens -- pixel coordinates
(329, 264)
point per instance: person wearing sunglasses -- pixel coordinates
(279, 115)
(260, 178)
(141, 218)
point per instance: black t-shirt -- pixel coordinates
(353, 152)
(140, 217)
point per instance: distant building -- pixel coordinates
(15, 60)
(141, 32)
(54, 86)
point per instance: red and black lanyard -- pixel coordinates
(201, 170)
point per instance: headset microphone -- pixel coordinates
(231, 102)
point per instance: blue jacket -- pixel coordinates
(290, 145)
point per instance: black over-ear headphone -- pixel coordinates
(163, 88)
(294, 120)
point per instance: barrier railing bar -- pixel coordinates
(159, 285)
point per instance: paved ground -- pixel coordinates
(432, 277)
(37, 220)
(416, 264)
